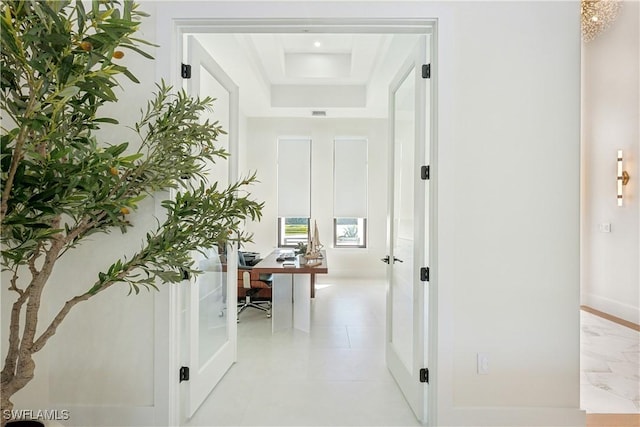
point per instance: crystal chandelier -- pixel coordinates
(597, 16)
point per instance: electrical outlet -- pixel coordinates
(483, 363)
(604, 228)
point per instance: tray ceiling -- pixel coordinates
(292, 75)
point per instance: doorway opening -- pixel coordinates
(272, 67)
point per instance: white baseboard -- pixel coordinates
(624, 311)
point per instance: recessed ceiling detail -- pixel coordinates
(324, 43)
(287, 75)
(319, 96)
(317, 65)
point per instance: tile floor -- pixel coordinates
(337, 376)
(334, 376)
(610, 366)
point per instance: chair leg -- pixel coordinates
(259, 305)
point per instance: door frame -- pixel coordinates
(171, 32)
(203, 377)
(410, 69)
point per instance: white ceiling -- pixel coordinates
(291, 75)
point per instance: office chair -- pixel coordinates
(252, 283)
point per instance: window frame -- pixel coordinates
(281, 226)
(336, 245)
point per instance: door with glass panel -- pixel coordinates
(209, 331)
(407, 239)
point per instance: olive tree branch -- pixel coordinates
(13, 286)
(14, 339)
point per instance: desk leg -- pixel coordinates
(281, 305)
(313, 285)
(302, 302)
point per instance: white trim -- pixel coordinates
(431, 350)
(167, 66)
(615, 308)
(174, 336)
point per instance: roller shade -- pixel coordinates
(294, 177)
(350, 178)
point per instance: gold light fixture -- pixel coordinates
(597, 16)
(623, 177)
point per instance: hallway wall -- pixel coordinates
(508, 191)
(507, 180)
(611, 121)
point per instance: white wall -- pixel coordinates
(611, 121)
(509, 213)
(507, 179)
(261, 156)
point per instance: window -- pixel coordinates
(292, 231)
(294, 190)
(350, 232)
(350, 176)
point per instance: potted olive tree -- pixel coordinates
(61, 184)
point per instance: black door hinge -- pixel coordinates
(425, 172)
(426, 71)
(184, 373)
(424, 375)
(424, 274)
(185, 71)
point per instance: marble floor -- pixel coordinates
(336, 375)
(610, 366)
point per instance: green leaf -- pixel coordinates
(82, 16)
(130, 76)
(136, 49)
(116, 150)
(105, 120)
(66, 67)
(68, 92)
(131, 158)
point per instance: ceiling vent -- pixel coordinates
(319, 113)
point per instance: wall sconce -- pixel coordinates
(623, 177)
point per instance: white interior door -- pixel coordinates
(209, 299)
(409, 147)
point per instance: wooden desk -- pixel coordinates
(269, 265)
(292, 283)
